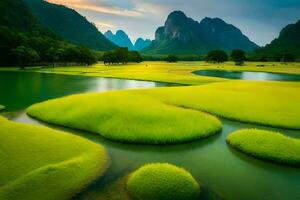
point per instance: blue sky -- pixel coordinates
(260, 20)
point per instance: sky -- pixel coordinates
(260, 20)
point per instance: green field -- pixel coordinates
(169, 72)
(41, 163)
(128, 116)
(162, 182)
(153, 115)
(267, 145)
(167, 115)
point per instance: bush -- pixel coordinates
(162, 182)
(238, 56)
(267, 145)
(171, 59)
(217, 56)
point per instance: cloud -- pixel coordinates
(86, 5)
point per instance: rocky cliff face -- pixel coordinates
(183, 35)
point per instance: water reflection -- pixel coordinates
(20, 89)
(259, 76)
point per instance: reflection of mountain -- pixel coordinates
(183, 35)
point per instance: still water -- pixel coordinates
(259, 76)
(230, 174)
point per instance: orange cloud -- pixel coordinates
(80, 4)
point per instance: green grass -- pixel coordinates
(2, 107)
(162, 182)
(41, 163)
(180, 72)
(127, 116)
(267, 145)
(171, 115)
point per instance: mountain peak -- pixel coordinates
(183, 35)
(177, 15)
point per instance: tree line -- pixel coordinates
(121, 56)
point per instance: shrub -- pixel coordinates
(162, 182)
(217, 56)
(267, 145)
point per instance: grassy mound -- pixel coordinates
(274, 104)
(267, 145)
(126, 116)
(2, 107)
(40, 163)
(162, 182)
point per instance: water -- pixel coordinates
(259, 76)
(230, 174)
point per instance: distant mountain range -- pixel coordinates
(121, 39)
(69, 24)
(288, 42)
(183, 35)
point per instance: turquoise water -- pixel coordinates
(259, 76)
(220, 169)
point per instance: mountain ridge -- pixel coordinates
(183, 35)
(69, 24)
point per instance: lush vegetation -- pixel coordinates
(162, 182)
(128, 116)
(285, 48)
(69, 25)
(40, 163)
(172, 59)
(217, 56)
(25, 42)
(238, 56)
(267, 145)
(121, 56)
(180, 72)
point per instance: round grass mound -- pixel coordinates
(162, 182)
(267, 145)
(129, 117)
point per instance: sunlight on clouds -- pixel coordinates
(104, 26)
(84, 5)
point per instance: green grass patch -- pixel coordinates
(180, 72)
(127, 116)
(41, 163)
(267, 145)
(162, 182)
(2, 107)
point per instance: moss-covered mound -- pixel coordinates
(162, 182)
(127, 116)
(267, 145)
(40, 163)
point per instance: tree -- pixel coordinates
(217, 56)
(172, 58)
(288, 57)
(238, 56)
(24, 56)
(134, 56)
(121, 56)
(86, 56)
